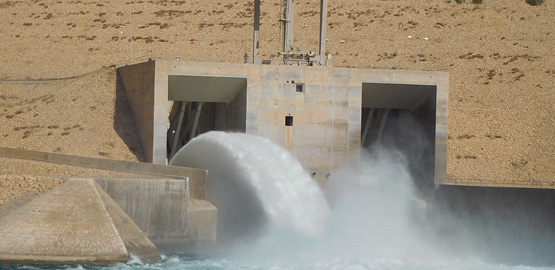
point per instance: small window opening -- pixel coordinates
(289, 120)
(300, 88)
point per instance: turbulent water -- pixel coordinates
(194, 263)
(274, 216)
(256, 185)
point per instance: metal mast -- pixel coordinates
(287, 22)
(256, 37)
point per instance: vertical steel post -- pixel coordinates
(323, 27)
(122, 40)
(416, 63)
(367, 126)
(382, 126)
(204, 41)
(289, 19)
(132, 45)
(178, 130)
(197, 116)
(256, 34)
(397, 49)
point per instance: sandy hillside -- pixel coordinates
(500, 56)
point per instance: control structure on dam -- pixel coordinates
(322, 114)
(325, 116)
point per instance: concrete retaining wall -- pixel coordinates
(164, 211)
(198, 178)
(140, 93)
(202, 223)
(158, 206)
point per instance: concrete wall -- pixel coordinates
(232, 116)
(439, 80)
(198, 178)
(164, 211)
(326, 115)
(158, 206)
(76, 222)
(138, 82)
(512, 225)
(202, 223)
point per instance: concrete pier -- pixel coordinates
(164, 211)
(158, 206)
(77, 222)
(202, 220)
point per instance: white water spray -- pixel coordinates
(262, 191)
(375, 210)
(255, 184)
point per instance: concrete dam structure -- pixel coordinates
(259, 152)
(108, 220)
(324, 116)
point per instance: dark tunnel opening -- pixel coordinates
(403, 117)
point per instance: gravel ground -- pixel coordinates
(499, 55)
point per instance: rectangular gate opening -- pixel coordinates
(403, 117)
(202, 104)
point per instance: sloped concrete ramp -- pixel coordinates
(77, 222)
(157, 206)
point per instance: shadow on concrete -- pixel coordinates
(500, 225)
(124, 124)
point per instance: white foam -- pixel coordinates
(289, 197)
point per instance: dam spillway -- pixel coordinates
(324, 116)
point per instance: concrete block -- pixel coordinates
(135, 241)
(73, 223)
(202, 223)
(157, 206)
(199, 185)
